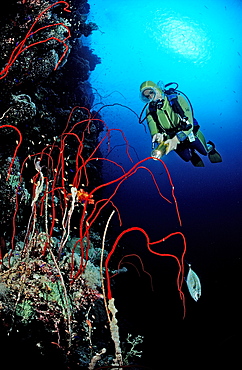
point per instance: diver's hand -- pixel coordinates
(172, 144)
(157, 138)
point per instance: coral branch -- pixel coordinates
(180, 261)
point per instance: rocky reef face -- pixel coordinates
(53, 307)
(44, 93)
(44, 73)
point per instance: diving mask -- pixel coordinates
(148, 95)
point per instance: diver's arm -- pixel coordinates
(178, 138)
(152, 125)
(187, 119)
(156, 136)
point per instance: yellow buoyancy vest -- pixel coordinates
(168, 119)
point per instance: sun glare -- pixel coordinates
(181, 35)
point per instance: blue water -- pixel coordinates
(198, 45)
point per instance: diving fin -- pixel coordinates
(213, 155)
(196, 160)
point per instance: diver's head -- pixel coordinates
(149, 91)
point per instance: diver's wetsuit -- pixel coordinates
(166, 121)
(186, 150)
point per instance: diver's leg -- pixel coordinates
(187, 154)
(206, 148)
(184, 152)
(199, 144)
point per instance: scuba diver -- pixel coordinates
(170, 119)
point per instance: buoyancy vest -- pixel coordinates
(167, 117)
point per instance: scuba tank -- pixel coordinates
(172, 93)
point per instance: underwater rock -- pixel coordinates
(37, 94)
(21, 109)
(54, 92)
(8, 192)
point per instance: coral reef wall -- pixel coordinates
(53, 304)
(54, 259)
(44, 72)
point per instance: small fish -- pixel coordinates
(193, 284)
